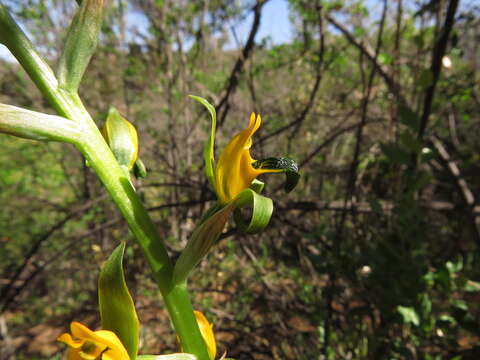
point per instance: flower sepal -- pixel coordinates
(208, 150)
(257, 186)
(261, 209)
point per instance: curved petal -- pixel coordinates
(92, 344)
(115, 346)
(206, 329)
(68, 340)
(234, 171)
(74, 355)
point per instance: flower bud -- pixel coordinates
(122, 138)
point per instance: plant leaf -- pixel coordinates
(408, 117)
(117, 310)
(80, 43)
(409, 315)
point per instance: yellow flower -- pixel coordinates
(233, 179)
(234, 171)
(93, 345)
(206, 329)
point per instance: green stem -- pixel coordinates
(176, 297)
(101, 159)
(22, 49)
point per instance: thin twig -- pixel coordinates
(466, 194)
(370, 55)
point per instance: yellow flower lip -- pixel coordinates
(234, 171)
(86, 344)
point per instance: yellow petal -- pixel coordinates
(206, 330)
(92, 344)
(116, 349)
(74, 355)
(67, 339)
(234, 171)
(134, 138)
(75, 346)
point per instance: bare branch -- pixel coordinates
(370, 55)
(461, 184)
(438, 53)
(224, 106)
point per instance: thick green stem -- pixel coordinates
(101, 159)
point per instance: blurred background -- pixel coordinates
(373, 256)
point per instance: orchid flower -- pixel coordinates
(235, 169)
(85, 344)
(233, 178)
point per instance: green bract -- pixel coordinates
(80, 44)
(117, 310)
(37, 126)
(201, 241)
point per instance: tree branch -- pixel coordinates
(438, 53)
(393, 87)
(462, 186)
(224, 106)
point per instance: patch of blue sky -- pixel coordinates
(5, 54)
(275, 25)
